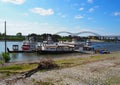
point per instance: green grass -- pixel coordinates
(18, 68)
(79, 61)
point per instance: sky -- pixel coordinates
(51, 16)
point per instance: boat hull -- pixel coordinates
(21, 51)
(41, 51)
(55, 52)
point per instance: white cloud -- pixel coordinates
(26, 28)
(91, 10)
(79, 17)
(116, 13)
(14, 1)
(81, 9)
(90, 1)
(42, 12)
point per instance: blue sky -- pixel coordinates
(51, 16)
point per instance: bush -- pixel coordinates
(1, 62)
(47, 64)
(6, 57)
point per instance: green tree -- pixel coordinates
(19, 34)
(0, 33)
(6, 57)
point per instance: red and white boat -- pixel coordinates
(28, 45)
(25, 45)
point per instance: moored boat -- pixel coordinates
(29, 45)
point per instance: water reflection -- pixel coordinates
(14, 56)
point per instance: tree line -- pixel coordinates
(42, 37)
(17, 37)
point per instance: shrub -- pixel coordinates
(47, 64)
(1, 62)
(6, 57)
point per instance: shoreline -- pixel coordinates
(82, 69)
(57, 58)
(85, 67)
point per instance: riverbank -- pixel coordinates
(81, 69)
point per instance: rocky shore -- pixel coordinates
(104, 71)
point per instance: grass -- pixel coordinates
(79, 61)
(18, 68)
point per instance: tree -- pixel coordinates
(0, 33)
(6, 57)
(19, 34)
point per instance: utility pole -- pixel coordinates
(5, 36)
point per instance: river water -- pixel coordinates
(34, 56)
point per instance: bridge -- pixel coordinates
(101, 37)
(79, 33)
(64, 32)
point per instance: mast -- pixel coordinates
(5, 36)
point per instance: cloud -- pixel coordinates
(90, 1)
(116, 13)
(26, 28)
(91, 10)
(18, 2)
(79, 17)
(42, 11)
(81, 9)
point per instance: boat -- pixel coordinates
(55, 48)
(48, 46)
(20, 51)
(29, 45)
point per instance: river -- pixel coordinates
(34, 56)
(29, 56)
